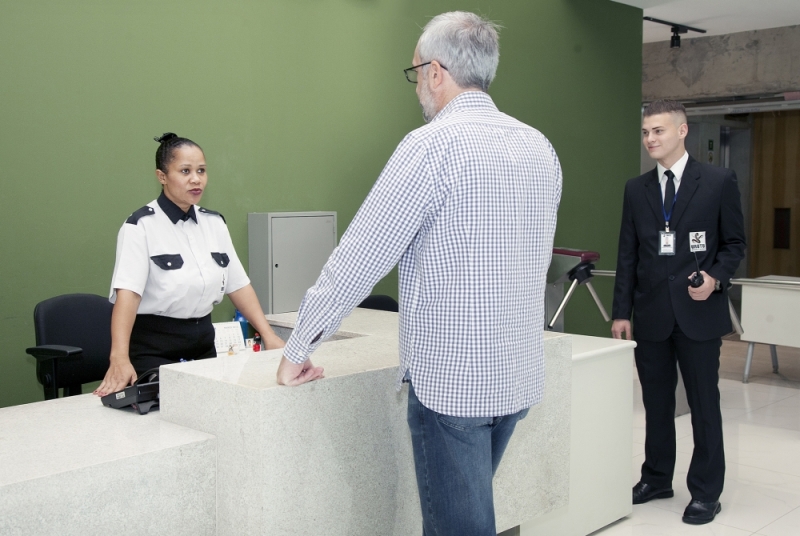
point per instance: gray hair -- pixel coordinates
(466, 44)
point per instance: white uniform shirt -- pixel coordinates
(181, 264)
(467, 205)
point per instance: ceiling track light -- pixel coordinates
(677, 30)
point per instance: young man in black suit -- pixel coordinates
(678, 216)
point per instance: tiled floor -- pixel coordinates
(761, 426)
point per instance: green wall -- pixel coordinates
(298, 105)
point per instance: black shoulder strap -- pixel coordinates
(133, 219)
(207, 211)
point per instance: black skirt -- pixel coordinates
(161, 340)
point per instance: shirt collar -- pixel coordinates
(173, 211)
(677, 168)
(471, 99)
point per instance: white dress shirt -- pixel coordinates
(677, 170)
(467, 205)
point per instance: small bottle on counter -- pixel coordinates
(256, 342)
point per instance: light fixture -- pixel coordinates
(675, 42)
(677, 30)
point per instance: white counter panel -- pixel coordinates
(601, 440)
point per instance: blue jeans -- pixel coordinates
(455, 459)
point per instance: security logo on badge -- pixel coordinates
(697, 241)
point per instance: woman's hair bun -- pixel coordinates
(168, 142)
(165, 137)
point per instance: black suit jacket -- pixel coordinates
(655, 287)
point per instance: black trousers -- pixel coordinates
(161, 340)
(699, 364)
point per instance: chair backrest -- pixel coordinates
(82, 320)
(380, 302)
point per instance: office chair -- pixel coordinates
(73, 340)
(380, 302)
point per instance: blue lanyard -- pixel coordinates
(664, 211)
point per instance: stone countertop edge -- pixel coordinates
(368, 343)
(373, 341)
(599, 346)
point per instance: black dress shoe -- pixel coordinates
(645, 492)
(700, 513)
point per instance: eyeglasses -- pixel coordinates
(411, 73)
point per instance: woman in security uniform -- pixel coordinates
(175, 261)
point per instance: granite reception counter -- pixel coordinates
(230, 452)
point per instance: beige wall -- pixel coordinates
(745, 63)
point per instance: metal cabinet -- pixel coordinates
(287, 252)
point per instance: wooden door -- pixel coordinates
(775, 233)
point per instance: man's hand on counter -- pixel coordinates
(292, 374)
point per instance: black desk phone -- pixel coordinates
(142, 395)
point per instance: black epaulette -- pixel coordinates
(133, 219)
(207, 211)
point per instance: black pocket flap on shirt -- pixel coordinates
(221, 259)
(168, 262)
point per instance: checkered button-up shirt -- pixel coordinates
(467, 206)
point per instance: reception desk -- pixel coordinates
(231, 452)
(334, 456)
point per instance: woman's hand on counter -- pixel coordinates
(272, 341)
(292, 374)
(120, 375)
(120, 372)
(246, 301)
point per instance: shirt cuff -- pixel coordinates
(124, 285)
(296, 351)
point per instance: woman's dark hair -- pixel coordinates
(168, 142)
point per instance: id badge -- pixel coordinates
(666, 243)
(697, 241)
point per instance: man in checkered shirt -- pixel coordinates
(467, 207)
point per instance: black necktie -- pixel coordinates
(669, 191)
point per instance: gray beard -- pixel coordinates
(424, 114)
(429, 110)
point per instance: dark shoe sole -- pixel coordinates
(663, 495)
(702, 520)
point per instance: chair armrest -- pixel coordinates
(47, 352)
